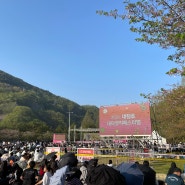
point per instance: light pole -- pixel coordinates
(69, 128)
(74, 133)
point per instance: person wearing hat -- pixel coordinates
(174, 178)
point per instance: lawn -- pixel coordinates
(159, 165)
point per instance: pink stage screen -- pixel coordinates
(59, 138)
(125, 120)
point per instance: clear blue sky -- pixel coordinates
(64, 47)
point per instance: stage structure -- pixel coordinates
(125, 120)
(83, 130)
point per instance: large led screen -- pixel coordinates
(125, 120)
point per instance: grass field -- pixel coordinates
(159, 165)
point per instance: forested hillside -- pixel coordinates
(28, 112)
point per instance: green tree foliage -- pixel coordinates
(159, 22)
(55, 119)
(18, 118)
(90, 119)
(168, 113)
(37, 126)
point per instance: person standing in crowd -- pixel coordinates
(47, 174)
(67, 161)
(11, 157)
(41, 168)
(73, 177)
(0, 157)
(110, 163)
(171, 169)
(83, 169)
(54, 164)
(4, 172)
(18, 154)
(38, 155)
(16, 174)
(30, 175)
(174, 178)
(23, 162)
(149, 173)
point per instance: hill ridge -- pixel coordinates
(27, 108)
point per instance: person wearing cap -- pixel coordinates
(174, 178)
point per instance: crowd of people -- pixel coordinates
(24, 163)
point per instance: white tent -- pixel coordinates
(155, 137)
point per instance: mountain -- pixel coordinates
(28, 112)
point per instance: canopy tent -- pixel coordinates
(155, 137)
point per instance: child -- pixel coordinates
(47, 174)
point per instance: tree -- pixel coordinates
(159, 22)
(18, 118)
(172, 114)
(90, 119)
(167, 113)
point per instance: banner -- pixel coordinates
(125, 120)
(85, 154)
(53, 149)
(59, 138)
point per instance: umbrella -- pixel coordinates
(68, 158)
(132, 173)
(50, 155)
(103, 175)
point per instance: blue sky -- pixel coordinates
(64, 47)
